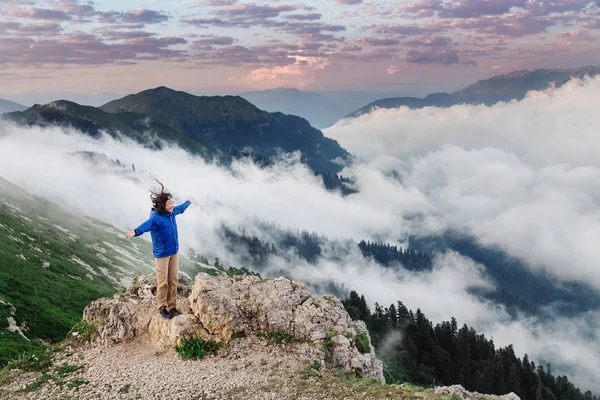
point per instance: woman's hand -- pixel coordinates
(130, 233)
(191, 199)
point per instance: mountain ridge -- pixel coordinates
(7, 106)
(233, 124)
(94, 122)
(506, 87)
(216, 127)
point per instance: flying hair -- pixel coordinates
(159, 199)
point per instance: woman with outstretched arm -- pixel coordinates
(165, 246)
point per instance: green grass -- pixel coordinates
(77, 382)
(362, 342)
(64, 370)
(43, 364)
(196, 348)
(351, 377)
(49, 301)
(39, 382)
(84, 330)
(12, 344)
(35, 362)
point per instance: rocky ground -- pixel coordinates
(276, 341)
(248, 368)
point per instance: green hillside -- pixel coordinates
(54, 263)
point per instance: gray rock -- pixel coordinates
(459, 392)
(218, 308)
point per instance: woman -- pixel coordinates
(165, 245)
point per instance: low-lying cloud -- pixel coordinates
(521, 176)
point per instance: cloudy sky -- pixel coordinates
(220, 46)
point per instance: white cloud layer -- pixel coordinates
(521, 176)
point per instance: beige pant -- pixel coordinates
(167, 271)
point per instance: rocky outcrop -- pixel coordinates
(460, 393)
(220, 308)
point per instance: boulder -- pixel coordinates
(217, 308)
(460, 393)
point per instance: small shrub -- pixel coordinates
(66, 370)
(329, 339)
(328, 345)
(347, 376)
(84, 329)
(32, 362)
(316, 365)
(39, 382)
(310, 372)
(77, 382)
(195, 348)
(362, 342)
(125, 389)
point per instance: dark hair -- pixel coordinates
(159, 200)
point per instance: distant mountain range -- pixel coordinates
(512, 86)
(216, 127)
(87, 99)
(324, 108)
(320, 108)
(9, 106)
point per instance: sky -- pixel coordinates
(231, 46)
(521, 177)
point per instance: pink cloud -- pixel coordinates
(433, 56)
(299, 74)
(379, 41)
(38, 13)
(429, 41)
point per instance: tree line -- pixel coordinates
(415, 351)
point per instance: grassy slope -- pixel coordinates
(88, 260)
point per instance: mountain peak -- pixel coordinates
(162, 100)
(162, 91)
(232, 124)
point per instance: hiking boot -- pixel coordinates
(164, 313)
(174, 312)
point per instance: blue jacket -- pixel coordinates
(163, 229)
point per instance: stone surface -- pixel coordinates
(460, 393)
(219, 308)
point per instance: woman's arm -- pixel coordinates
(140, 230)
(182, 207)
